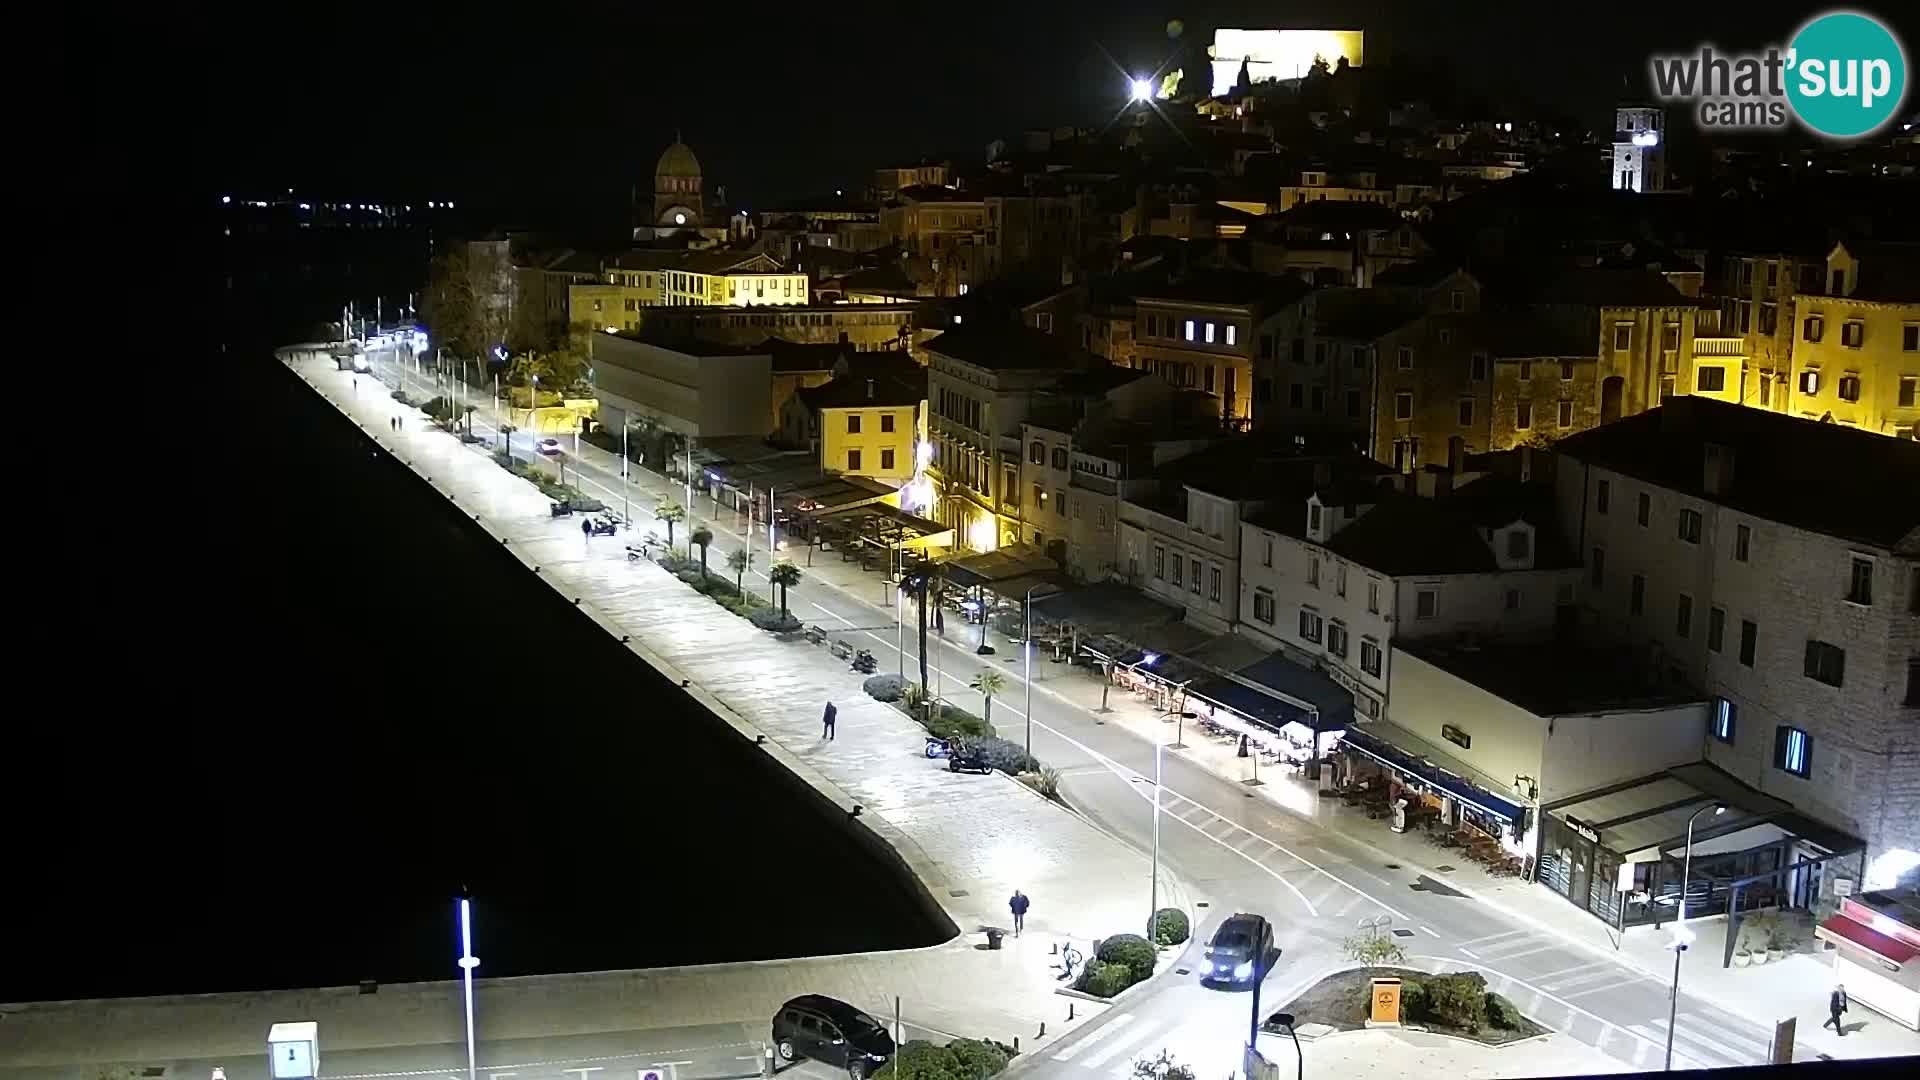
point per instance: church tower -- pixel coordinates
(678, 195)
(1639, 149)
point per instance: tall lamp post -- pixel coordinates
(1285, 1020)
(1153, 890)
(1682, 937)
(468, 962)
(1027, 644)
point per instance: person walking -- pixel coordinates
(1018, 905)
(826, 721)
(586, 529)
(1837, 1004)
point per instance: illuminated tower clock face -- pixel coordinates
(679, 219)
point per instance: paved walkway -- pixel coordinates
(1384, 1052)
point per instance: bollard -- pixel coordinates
(1069, 1012)
(766, 1062)
(1016, 1044)
(1043, 1030)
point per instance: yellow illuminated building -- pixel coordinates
(1280, 54)
(866, 424)
(1856, 347)
(642, 279)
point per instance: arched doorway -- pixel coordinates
(1612, 391)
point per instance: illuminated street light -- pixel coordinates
(1142, 89)
(1682, 937)
(468, 962)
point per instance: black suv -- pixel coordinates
(830, 1030)
(1242, 945)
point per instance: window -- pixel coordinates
(1599, 567)
(1769, 319)
(1039, 496)
(1060, 457)
(1466, 412)
(1404, 357)
(1337, 640)
(1456, 300)
(1690, 526)
(1313, 517)
(1313, 570)
(1910, 338)
(886, 422)
(1860, 582)
(1602, 496)
(1060, 501)
(1710, 379)
(1354, 403)
(1209, 333)
(1526, 370)
(1036, 452)
(1566, 414)
(853, 423)
(1206, 378)
(1637, 595)
(1213, 583)
(1683, 618)
(1720, 720)
(1042, 320)
(1622, 337)
(1160, 563)
(1310, 626)
(1670, 334)
(1848, 388)
(1513, 599)
(1179, 568)
(1523, 415)
(1810, 382)
(853, 461)
(886, 461)
(1909, 391)
(1852, 333)
(1267, 559)
(1716, 628)
(1644, 511)
(1403, 405)
(1446, 336)
(1373, 597)
(1793, 751)
(1263, 606)
(1519, 544)
(1742, 543)
(1296, 394)
(1340, 580)
(1812, 327)
(1749, 641)
(1478, 368)
(1426, 603)
(1193, 581)
(1370, 658)
(1230, 334)
(1189, 329)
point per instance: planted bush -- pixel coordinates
(951, 723)
(1458, 1000)
(961, 1059)
(884, 687)
(1131, 950)
(975, 1059)
(1004, 754)
(1502, 1013)
(1043, 780)
(1170, 926)
(1103, 979)
(1413, 1000)
(772, 618)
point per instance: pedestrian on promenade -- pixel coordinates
(1837, 1004)
(826, 721)
(586, 529)
(1018, 905)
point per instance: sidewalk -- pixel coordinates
(1388, 1052)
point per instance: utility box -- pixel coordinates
(294, 1051)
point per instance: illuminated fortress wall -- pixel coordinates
(1280, 54)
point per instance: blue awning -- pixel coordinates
(1425, 772)
(1263, 709)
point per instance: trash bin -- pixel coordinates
(993, 937)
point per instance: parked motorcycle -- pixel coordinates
(603, 527)
(967, 758)
(938, 747)
(561, 509)
(863, 662)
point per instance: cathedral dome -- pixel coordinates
(678, 161)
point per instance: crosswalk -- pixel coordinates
(1111, 1049)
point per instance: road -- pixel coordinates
(1245, 854)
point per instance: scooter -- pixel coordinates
(603, 527)
(863, 662)
(561, 509)
(938, 747)
(966, 758)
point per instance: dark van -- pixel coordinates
(830, 1030)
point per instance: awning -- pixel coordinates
(1842, 930)
(1640, 819)
(886, 526)
(991, 566)
(1043, 584)
(1427, 773)
(1263, 709)
(1106, 608)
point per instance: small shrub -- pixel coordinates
(691, 577)
(884, 687)
(918, 1059)
(1131, 950)
(1502, 1013)
(1413, 1000)
(1373, 950)
(771, 618)
(1170, 926)
(1044, 780)
(1458, 1001)
(977, 1060)
(1004, 754)
(1103, 979)
(1163, 1067)
(952, 723)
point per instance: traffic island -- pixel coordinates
(1459, 1005)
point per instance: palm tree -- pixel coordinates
(700, 538)
(989, 683)
(737, 561)
(669, 512)
(785, 575)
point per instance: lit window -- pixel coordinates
(1189, 329)
(1793, 751)
(1848, 388)
(1209, 333)
(1721, 721)
(1852, 333)
(1370, 658)
(1812, 327)
(1231, 335)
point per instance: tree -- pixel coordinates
(1373, 949)
(700, 538)
(669, 512)
(785, 575)
(468, 295)
(737, 561)
(989, 683)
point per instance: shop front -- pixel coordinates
(1398, 776)
(1876, 941)
(1291, 714)
(1621, 853)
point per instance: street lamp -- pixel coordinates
(1285, 1020)
(468, 962)
(1681, 935)
(1027, 610)
(1153, 890)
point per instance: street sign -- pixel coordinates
(1782, 1050)
(1386, 1001)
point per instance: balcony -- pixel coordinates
(1719, 346)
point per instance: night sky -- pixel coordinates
(532, 105)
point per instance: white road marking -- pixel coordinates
(1093, 1036)
(538, 1064)
(1121, 1046)
(1657, 1038)
(1468, 952)
(1492, 937)
(1570, 1006)
(1430, 930)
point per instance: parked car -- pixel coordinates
(830, 1030)
(1241, 946)
(549, 447)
